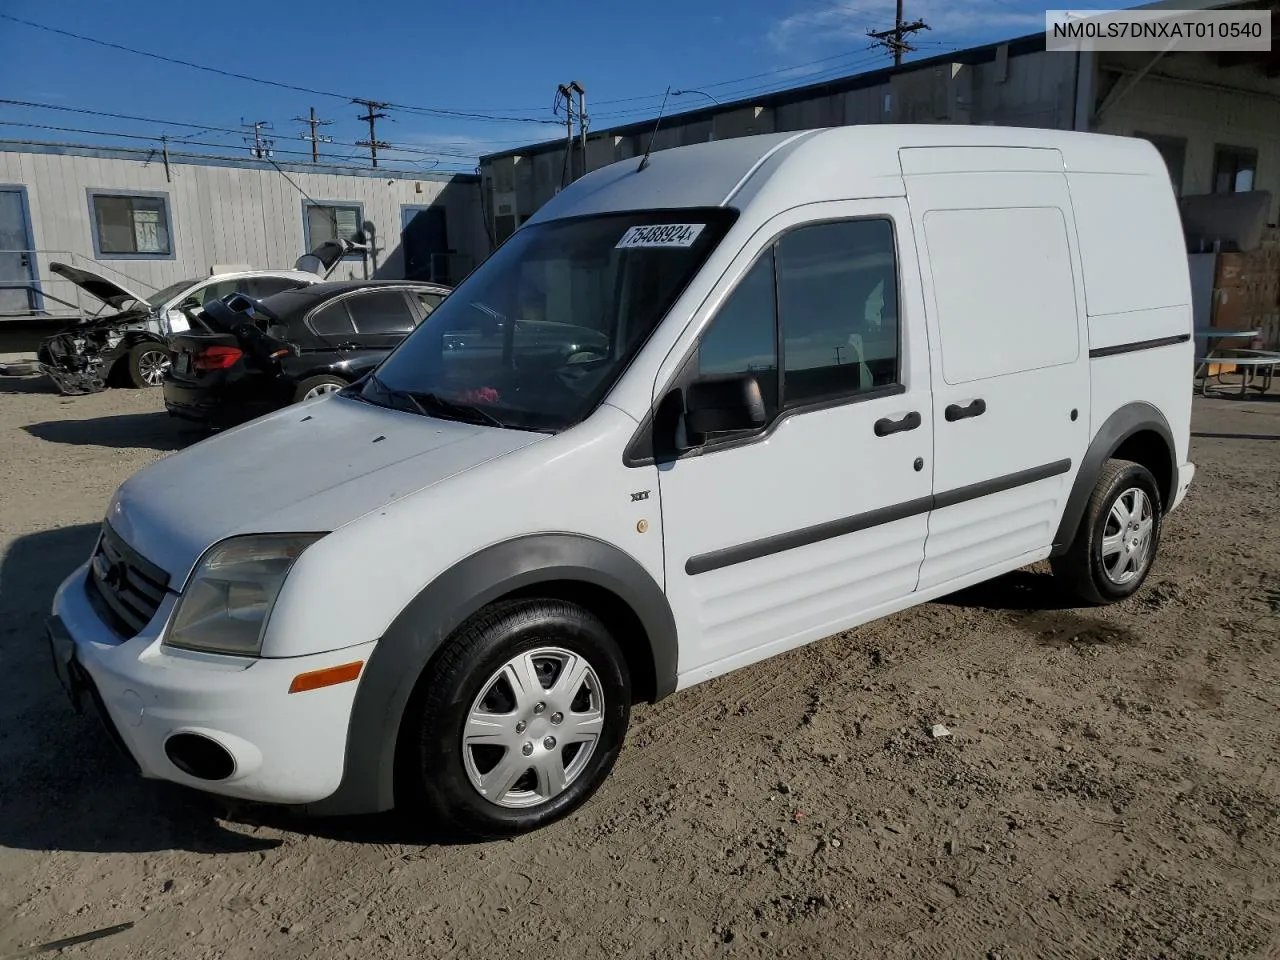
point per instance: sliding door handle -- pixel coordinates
(956, 412)
(885, 426)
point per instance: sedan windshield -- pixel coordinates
(539, 333)
(161, 297)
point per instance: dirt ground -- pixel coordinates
(1111, 787)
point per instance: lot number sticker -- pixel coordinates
(661, 235)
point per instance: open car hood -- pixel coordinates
(96, 285)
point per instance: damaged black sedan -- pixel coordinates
(130, 345)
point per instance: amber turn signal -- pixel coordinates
(327, 677)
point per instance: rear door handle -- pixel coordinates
(885, 426)
(956, 412)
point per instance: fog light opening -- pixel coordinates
(199, 756)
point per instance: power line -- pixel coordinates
(430, 111)
(205, 128)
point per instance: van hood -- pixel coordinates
(310, 467)
(96, 285)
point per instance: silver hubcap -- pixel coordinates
(1126, 539)
(151, 367)
(533, 728)
(321, 389)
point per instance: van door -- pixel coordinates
(781, 535)
(1009, 358)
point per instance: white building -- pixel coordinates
(152, 219)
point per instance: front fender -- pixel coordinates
(405, 650)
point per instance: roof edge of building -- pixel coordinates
(181, 158)
(1018, 46)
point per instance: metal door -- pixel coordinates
(18, 291)
(424, 238)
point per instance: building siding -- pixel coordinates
(227, 214)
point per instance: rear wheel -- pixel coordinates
(1119, 534)
(147, 364)
(317, 386)
(519, 721)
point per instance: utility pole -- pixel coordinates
(582, 120)
(316, 140)
(566, 171)
(373, 143)
(893, 40)
(261, 145)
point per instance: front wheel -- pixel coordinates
(518, 722)
(1119, 534)
(147, 364)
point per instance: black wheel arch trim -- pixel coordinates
(414, 637)
(1128, 420)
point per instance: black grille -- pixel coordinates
(127, 588)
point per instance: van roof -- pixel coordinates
(824, 164)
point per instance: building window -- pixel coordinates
(323, 222)
(1233, 169)
(134, 225)
(1174, 152)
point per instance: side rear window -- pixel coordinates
(1004, 290)
(428, 301)
(381, 312)
(333, 321)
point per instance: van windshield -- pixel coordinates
(539, 333)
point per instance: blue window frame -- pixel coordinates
(324, 220)
(19, 273)
(130, 224)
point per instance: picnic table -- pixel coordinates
(1257, 367)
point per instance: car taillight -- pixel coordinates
(216, 358)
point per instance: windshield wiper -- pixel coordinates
(425, 403)
(393, 394)
(459, 410)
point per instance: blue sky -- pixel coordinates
(501, 60)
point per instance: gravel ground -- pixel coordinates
(1111, 787)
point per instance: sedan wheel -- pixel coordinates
(148, 364)
(320, 389)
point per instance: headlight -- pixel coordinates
(225, 606)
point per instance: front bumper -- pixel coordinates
(286, 748)
(73, 366)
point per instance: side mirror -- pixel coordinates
(720, 406)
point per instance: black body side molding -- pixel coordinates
(1138, 345)
(766, 546)
(1130, 419)
(405, 650)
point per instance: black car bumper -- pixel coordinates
(212, 405)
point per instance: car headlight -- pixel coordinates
(225, 606)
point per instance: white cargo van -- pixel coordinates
(696, 412)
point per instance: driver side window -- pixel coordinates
(743, 337)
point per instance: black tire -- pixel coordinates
(434, 786)
(143, 362)
(319, 380)
(1082, 569)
